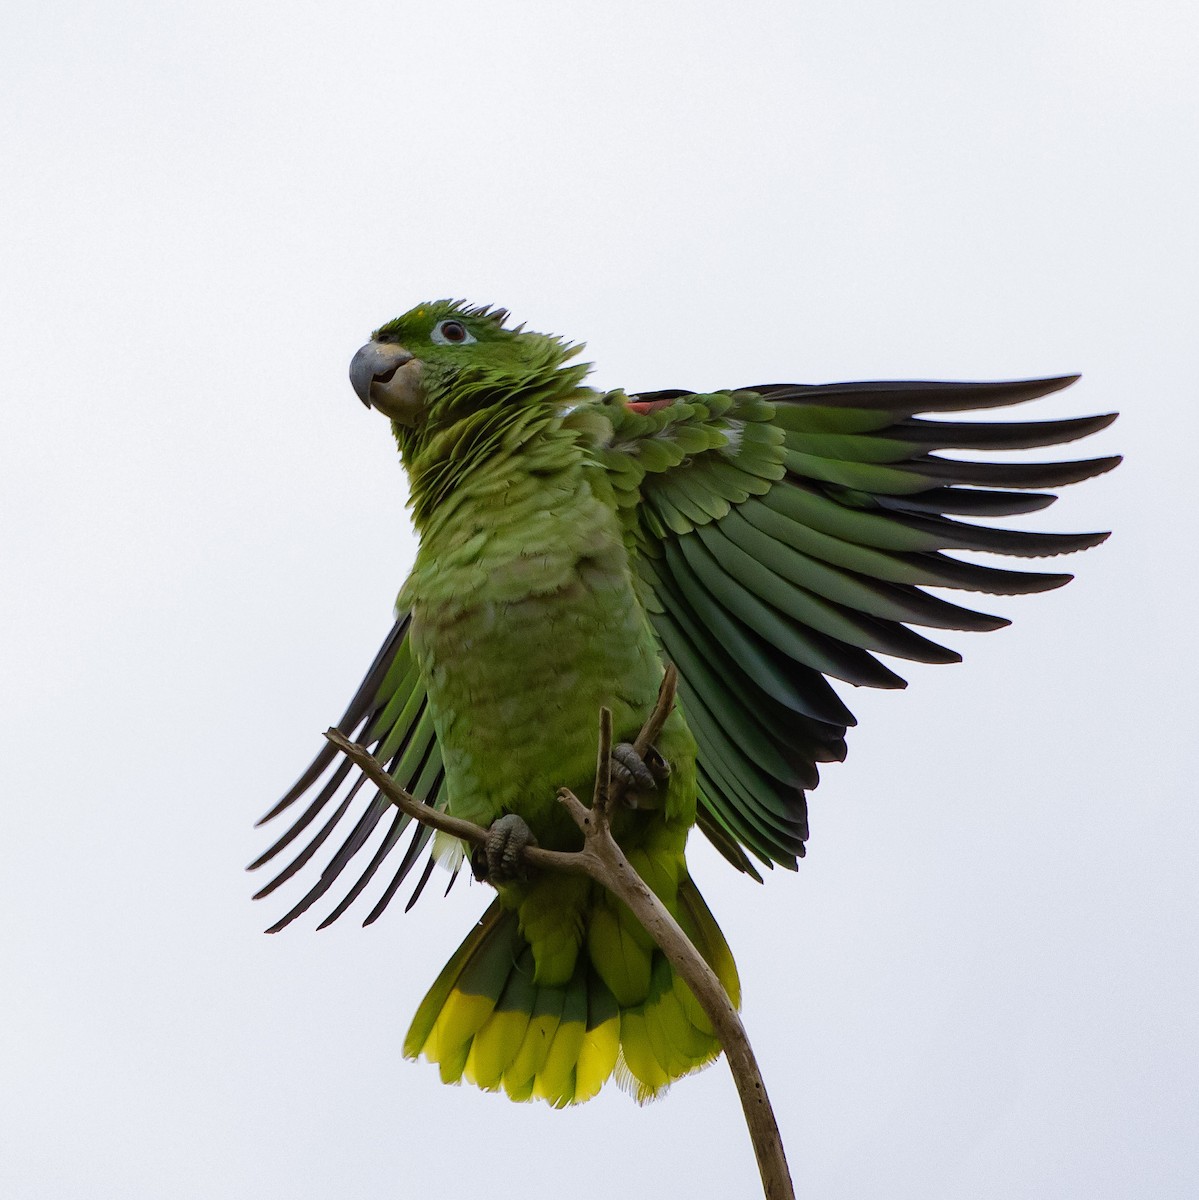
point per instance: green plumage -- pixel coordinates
(764, 540)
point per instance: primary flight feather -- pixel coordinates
(764, 539)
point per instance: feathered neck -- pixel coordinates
(485, 425)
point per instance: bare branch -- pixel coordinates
(601, 797)
(426, 814)
(603, 860)
(662, 709)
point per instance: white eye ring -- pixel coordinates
(451, 333)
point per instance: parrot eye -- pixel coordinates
(452, 333)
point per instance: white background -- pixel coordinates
(978, 984)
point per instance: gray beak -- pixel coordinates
(376, 362)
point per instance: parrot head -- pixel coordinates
(440, 351)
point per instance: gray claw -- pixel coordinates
(500, 860)
(636, 773)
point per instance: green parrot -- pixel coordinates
(764, 539)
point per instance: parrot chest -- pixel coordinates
(521, 633)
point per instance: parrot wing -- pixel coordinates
(783, 535)
(390, 715)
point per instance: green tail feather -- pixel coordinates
(485, 1020)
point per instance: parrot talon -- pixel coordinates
(498, 860)
(638, 774)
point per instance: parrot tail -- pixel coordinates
(487, 1020)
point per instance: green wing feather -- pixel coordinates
(784, 534)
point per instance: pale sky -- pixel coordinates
(978, 983)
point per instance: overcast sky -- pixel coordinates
(982, 981)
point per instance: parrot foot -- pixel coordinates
(636, 774)
(498, 860)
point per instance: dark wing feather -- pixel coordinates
(390, 715)
(785, 533)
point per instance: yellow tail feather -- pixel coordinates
(487, 1021)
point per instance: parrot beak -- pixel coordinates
(386, 376)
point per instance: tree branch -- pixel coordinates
(603, 860)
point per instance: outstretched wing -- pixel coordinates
(785, 534)
(390, 715)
